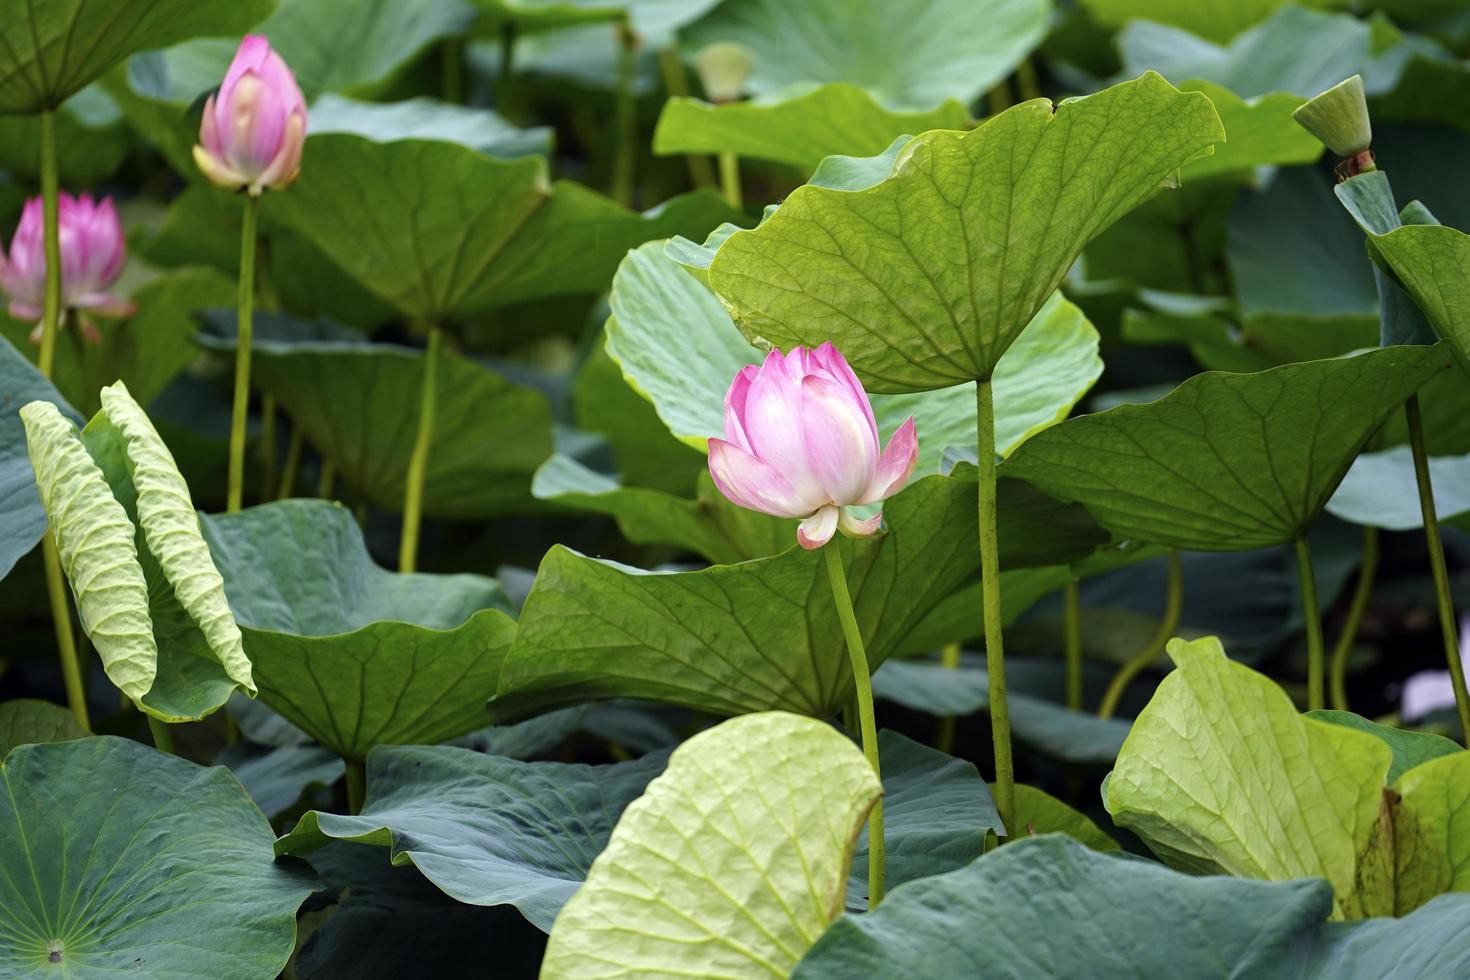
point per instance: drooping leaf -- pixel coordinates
(22, 518)
(121, 860)
(1216, 20)
(486, 830)
(52, 50)
(659, 314)
(1381, 489)
(732, 863)
(1432, 261)
(355, 655)
(24, 721)
(925, 279)
(1226, 461)
(908, 57)
(800, 130)
(357, 404)
(1410, 749)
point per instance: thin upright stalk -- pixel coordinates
(293, 463)
(1072, 642)
(267, 446)
(1026, 80)
(1367, 572)
(451, 79)
(1316, 694)
(949, 659)
(730, 180)
(326, 480)
(625, 115)
(676, 83)
(66, 644)
(1173, 602)
(998, 99)
(245, 330)
(995, 663)
(356, 786)
(418, 463)
(863, 685)
(163, 739)
(1442, 596)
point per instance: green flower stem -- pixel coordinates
(1316, 696)
(293, 464)
(451, 81)
(863, 684)
(625, 115)
(949, 659)
(326, 480)
(163, 739)
(1367, 572)
(66, 645)
(1446, 604)
(245, 331)
(356, 786)
(267, 446)
(1150, 653)
(418, 463)
(1072, 642)
(995, 663)
(676, 83)
(730, 180)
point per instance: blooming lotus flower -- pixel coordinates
(254, 126)
(801, 441)
(92, 254)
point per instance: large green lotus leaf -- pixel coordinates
(54, 49)
(936, 813)
(1226, 462)
(1257, 132)
(484, 829)
(908, 57)
(1410, 749)
(924, 280)
(430, 119)
(91, 140)
(1215, 20)
(27, 720)
(660, 313)
(276, 780)
(1381, 489)
(1001, 912)
(356, 402)
(1433, 262)
(355, 655)
(1264, 340)
(22, 518)
(1220, 774)
(1038, 812)
(800, 130)
(1430, 847)
(732, 863)
(119, 860)
(708, 525)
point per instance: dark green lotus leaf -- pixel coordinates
(1382, 490)
(277, 779)
(908, 57)
(429, 119)
(119, 860)
(1432, 261)
(876, 271)
(1264, 340)
(27, 720)
(1409, 749)
(91, 140)
(484, 829)
(356, 403)
(1001, 911)
(22, 519)
(652, 20)
(43, 62)
(1226, 462)
(801, 130)
(354, 655)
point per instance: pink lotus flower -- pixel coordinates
(92, 254)
(254, 126)
(801, 441)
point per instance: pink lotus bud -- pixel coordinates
(801, 441)
(92, 254)
(254, 126)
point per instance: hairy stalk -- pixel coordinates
(949, 658)
(1316, 694)
(356, 786)
(418, 463)
(245, 331)
(1072, 642)
(163, 739)
(625, 114)
(995, 663)
(267, 447)
(730, 180)
(676, 83)
(326, 480)
(1367, 572)
(1442, 596)
(293, 463)
(863, 685)
(1172, 605)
